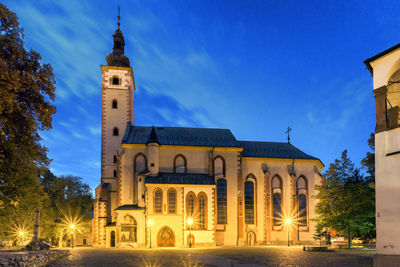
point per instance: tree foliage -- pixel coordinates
(26, 96)
(368, 163)
(346, 201)
(69, 200)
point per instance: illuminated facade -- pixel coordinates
(385, 68)
(172, 186)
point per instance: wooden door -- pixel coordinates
(166, 238)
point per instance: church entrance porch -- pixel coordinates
(165, 237)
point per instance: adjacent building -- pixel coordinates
(178, 186)
(385, 69)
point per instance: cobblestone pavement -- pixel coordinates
(222, 256)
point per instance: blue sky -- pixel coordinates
(254, 67)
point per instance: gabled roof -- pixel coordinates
(381, 54)
(182, 136)
(181, 178)
(272, 150)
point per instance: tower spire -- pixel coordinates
(118, 18)
(117, 57)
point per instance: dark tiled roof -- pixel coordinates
(184, 136)
(181, 178)
(129, 207)
(381, 54)
(272, 150)
(181, 136)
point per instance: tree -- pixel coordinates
(26, 94)
(346, 201)
(368, 163)
(70, 201)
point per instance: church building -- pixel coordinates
(193, 187)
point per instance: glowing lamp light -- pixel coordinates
(72, 226)
(288, 221)
(150, 222)
(21, 233)
(190, 221)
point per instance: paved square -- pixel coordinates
(223, 256)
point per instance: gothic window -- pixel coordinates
(180, 164)
(219, 166)
(114, 104)
(202, 211)
(277, 209)
(302, 210)
(171, 200)
(115, 80)
(302, 200)
(115, 131)
(115, 159)
(249, 202)
(115, 173)
(202, 214)
(221, 202)
(276, 185)
(190, 206)
(140, 163)
(158, 201)
(128, 229)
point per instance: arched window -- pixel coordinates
(158, 201)
(276, 200)
(115, 159)
(171, 200)
(114, 104)
(115, 80)
(219, 166)
(139, 165)
(128, 230)
(202, 197)
(115, 173)
(302, 200)
(221, 202)
(115, 131)
(249, 197)
(190, 206)
(202, 213)
(180, 164)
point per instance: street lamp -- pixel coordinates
(150, 224)
(190, 222)
(288, 223)
(21, 236)
(72, 227)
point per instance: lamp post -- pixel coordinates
(190, 222)
(288, 223)
(21, 236)
(150, 224)
(72, 227)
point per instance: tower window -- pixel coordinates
(115, 80)
(115, 159)
(114, 104)
(115, 173)
(115, 131)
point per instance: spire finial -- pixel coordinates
(118, 17)
(288, 134)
